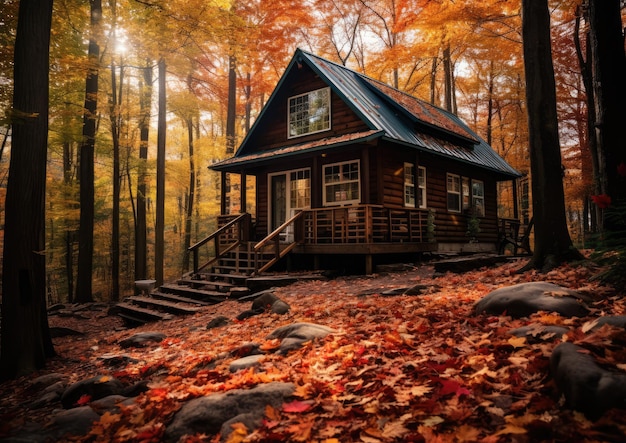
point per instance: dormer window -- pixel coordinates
(309, 113)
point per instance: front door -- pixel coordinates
(289, 192)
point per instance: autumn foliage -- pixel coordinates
(397, 368)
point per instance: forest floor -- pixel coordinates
(397, 368)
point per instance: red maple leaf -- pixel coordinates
(452, 387)
(296, 406)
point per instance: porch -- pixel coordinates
(363, 230)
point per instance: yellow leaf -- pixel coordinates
(240, 432)
(517, 342)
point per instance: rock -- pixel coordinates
(525, 299)
(249, 313)
(587, 387)
(536, 332)
(142, 339)
(207, 415)
(112, 359)
(218, 322)
(99, 387)
(306, 331)
(95, 387)
(246, 362)
(111, 404)
(75, 422)
(618, 321)
(47, 380)
(280, 307)
(295, 335)
(250, 420)
(264, 301)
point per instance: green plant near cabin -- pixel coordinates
(473, 228)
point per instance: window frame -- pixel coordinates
(409, 185)
(421, 188)
(457, 192)
(476, 198)
(340, 181)
(307, 118)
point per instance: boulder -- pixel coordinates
(536, 332)
(218, 322)
(142, 339)
(250, 361)
(73, 422)
(525, 299)
(293, 336)
(95, 388)
(587, 387)
(207, 415)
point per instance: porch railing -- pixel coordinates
(231, 234)
(365, 224)
(273, 245)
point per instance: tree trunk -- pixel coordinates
(86, 162)
(115, 222)
(141, 242)
(231, 116)
(448, 77)
(190, 197)
(159, 229)
(26, 341)
(553, 244)
(609, 72)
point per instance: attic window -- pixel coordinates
(309, 113)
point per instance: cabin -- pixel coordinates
(352, 172)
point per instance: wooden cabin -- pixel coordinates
(351, 170)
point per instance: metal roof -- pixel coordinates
(392, 114)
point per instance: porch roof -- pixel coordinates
(235, 163)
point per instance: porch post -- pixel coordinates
(223, 193)
(369, 265)
(365, 175)
(242, 192)
(515, 205)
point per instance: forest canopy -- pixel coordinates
(461, 55)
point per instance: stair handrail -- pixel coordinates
(194, 248)
(274, 237)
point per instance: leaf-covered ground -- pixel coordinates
(397, 369)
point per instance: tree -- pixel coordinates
(26, 341)
(159, 241)
(609, 71)
(553, 244)
(86, 164)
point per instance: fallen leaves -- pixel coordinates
(399, 368)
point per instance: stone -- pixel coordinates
(246, 349)
(264, 301)
(587, 387)
(250, 361)
(524, 299)
(293, 336)
(218, 322)
(111, 404)
(207, 415)
(95, 387)
(249, 313)
(280, 307)
(46, 380)
(142, 339)
(618, 321)
(74, 422)
(58, 331)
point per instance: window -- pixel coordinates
(410, 191)
(342, 183)
(454, 193)
(409, 185)
(300, 189)
(421, 187)
(478, 198)
(467, 198)
(309, 113)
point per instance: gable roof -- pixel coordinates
(389, 113)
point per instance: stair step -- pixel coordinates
(197, 283)
(200, 294)
(130, 310)
(179, 298)
(174, 308)
(233, 278)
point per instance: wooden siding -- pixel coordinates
(272, 130)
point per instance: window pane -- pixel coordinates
(309, 112)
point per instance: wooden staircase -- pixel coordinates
(223, 276)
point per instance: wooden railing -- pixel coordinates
(231, 234)
(365, 224)
(273, 240)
